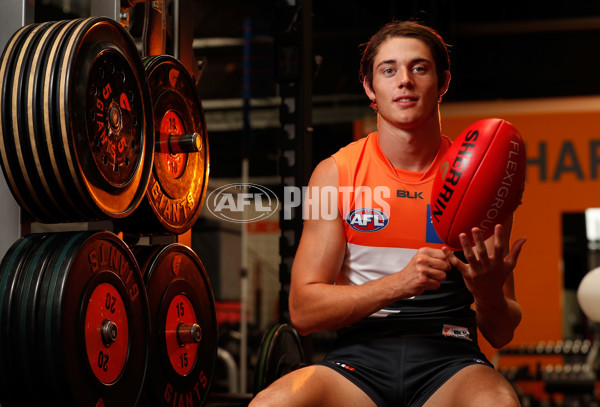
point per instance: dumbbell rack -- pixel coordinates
(570, 381)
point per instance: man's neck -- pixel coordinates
(412, 149)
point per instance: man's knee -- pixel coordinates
(509, 399)
(262, 399)
(277, 394)
(495, 397)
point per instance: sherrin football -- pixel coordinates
(480, 182)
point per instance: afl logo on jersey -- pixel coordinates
(367, 220)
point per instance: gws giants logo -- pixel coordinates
(367, 220)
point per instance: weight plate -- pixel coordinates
(17, 152)
(280, 352)
(65, 139)
(10, 269)
(182, 332)
(77, 137)
(24, 335)
(23, 153)
(49, 137)
(183, 345)
(81, 320)
(52, 363)
(104, 266)
(41, 160)
(106, 333)
(177, 185)
(7, 148)
(109, 153)
(15, 144)
(115, 148)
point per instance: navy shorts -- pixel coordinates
(403, 371)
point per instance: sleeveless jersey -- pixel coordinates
(387, 219)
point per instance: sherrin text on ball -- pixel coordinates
(480, 182)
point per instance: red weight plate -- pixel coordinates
(182, 354)
(106, 333)
(179, 294)
(178, 182)
(173, 163)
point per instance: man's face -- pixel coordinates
(405, 83)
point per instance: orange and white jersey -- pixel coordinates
(387, 219)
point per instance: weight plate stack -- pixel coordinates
(38, 157)
(11, 267)
(184, 341)
(7, 147)
(77, 312)
(77, 133)
(179, 178)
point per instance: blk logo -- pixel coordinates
(242, 202)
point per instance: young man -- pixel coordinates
(406, 308)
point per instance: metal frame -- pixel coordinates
(106, 8)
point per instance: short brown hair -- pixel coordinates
(412, 29)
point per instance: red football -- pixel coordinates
(480, 181)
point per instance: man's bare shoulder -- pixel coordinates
(325, 173)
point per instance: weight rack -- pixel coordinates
(89, 339)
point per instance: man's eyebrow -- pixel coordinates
(413, 61)
(386, 62)
(421, 60)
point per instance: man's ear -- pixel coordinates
(369, 91)
(445, 84)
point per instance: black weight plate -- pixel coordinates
(40, 201)
(179, 291)
(280, 353)
(95, 262)
(61, 137)
(177, 185)
(49, 128)
(50, 353)
(15, 146)
(259, 380)
(115, 181)
(7, 148)
(21, 171)
(24, 335)
(40, 162)
(111, 123)
(10, 271)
